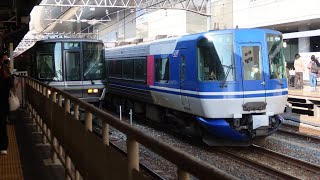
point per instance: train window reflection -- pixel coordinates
(140, 69)
(72, 66)
(215, 58)
(49, 62)
(71, 45)
(45, 66)
(162, 70)
(251, 60)
(276, 56)
(127, 69)
(93, 61)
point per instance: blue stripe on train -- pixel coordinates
(201, 96)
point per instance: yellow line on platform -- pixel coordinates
(10, 165)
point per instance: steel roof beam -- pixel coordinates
(196, 6)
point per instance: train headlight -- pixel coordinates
(90, 91)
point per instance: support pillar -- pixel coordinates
(11, 56)
(304, 42)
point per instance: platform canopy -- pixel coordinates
(64, 17)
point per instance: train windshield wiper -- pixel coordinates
(222, 85)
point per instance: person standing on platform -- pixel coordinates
(299, 68)
(313, 71)
(6, 83)
(3, 57)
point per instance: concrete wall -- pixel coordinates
(257, 13)
(195, 23)
(168, 22)
(222, 14)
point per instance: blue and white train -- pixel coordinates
(227, 85)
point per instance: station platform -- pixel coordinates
(26, 154)
(306, 92)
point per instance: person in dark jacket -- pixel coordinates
(6, 83)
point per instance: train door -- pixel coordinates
(184, 99)
(73, 80)
(253, 76)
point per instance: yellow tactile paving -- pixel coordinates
(10, 165)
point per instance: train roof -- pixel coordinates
(161, 46)
(224, 31)
(70, 40)
(167, 45)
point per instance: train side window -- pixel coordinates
(182, 68)
(215, 58)
(127, 69)
(140, 69)
(162, 69)
(276, 56)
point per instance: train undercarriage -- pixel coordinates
(213, 132)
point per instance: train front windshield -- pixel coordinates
(93, 61)
(215, 58)
(50, 61)
(276, 56)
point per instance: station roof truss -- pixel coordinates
(196, 6)
(56, 12)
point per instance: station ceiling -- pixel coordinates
(14, 18)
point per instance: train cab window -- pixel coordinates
(71, 45)
(215, 58)
(162, 69)
(276, 56)
(45, 66)
(49, 62)
(140, 69)
(93, 61)
(72, 66)
(251, 60)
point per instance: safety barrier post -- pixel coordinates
(67, 158)
(76, 116)
(60, 147)
(105, 133)
(53, 139)
(133, 156)
(44, 130)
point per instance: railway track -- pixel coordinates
(272, 163)
(309, 138)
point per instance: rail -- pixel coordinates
(92, 157)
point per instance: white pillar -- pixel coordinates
(209, 18)
(11, 56)
(304, 42)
